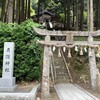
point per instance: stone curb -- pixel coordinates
(21, 96)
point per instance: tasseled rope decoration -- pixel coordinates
(81, 51)
(98, 55)
(54, 48)
(98, 52)
(64, 49)
(50, 52)
(76, 48)
(85, 49)
(69, 53)
(59, 52)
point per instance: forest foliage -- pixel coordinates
(27, 51)
(72, 13)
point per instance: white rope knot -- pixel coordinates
(69, 53)
(59, 52)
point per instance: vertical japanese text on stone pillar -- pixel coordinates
(8, 59)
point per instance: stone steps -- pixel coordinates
(61, 71)
(62, 77)
(62, 81)
(60, 74)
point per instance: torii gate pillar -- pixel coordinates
(45, 74)
(92, 59)
(92, 65)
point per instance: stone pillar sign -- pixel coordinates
(7, 82)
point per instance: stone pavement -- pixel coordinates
(73, 92)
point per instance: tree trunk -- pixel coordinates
(22, 11)
(13, 11)
(96, 15)
(3, 10)
(68, 14)
(65, 14)
(19, 3)
(38, 11)
(10, 11)
(28, 8)
(81, 14)
(99, 14)
(90, 15)
(17, 11)
(77, 16)
(73, 13)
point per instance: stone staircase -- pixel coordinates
(61, 70)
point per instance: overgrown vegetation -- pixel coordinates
(79, 67)
(27, 51)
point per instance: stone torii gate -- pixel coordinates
(69, 43)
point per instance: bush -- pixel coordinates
(27, 51)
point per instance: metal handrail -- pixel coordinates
(53, 66)
(52, 73)
(69, 73)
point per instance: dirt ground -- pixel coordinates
(25, 87)
(87, 87)
(95, 93)
(53, 95)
